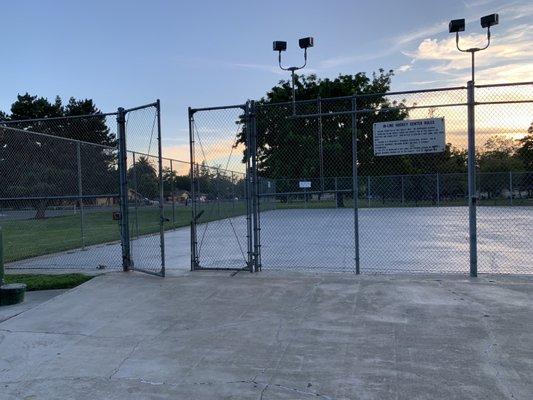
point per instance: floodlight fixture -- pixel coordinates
(305, 42)
(456, 25)
(280, 46)
(489, 20)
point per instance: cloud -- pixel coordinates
(508, 57)
(389, 48)
(403, 68)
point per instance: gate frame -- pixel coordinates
(128, 264)
(252, 218)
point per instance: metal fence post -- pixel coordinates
(136, 194)
(80, 194)
(438, 189)
(232, 190)
(173, 194)
(368, 190)
(194, 239)
(403, 195)
(255, 188)
(320, 144)
(511, 187)
(124, 212)
(472, 195)
(249, 233)
(336, 192)
(217, 190)
(161, 189)
(355, 183)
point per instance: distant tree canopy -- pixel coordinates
(288, 148)
(39, 167)
(142, 178)
(525, 150)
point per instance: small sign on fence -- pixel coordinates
(415, 136)
(304, 184)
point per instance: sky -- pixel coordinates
(206, 53)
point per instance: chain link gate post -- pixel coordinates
(194, 241)
(355, 177)
(255, 188)
(161, 189)
(472, 196)
(123, 190)
(249, 173)
(80, 194)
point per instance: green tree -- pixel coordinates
(495, 160)
(41, 168)
(143, 178)
(525, 150)
(288, 148)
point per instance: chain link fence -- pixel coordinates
(60, 192)
(221, 236)
(326, 201)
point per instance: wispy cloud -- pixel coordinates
(391, 47)
(404, 68)
(510, 55)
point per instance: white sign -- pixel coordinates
(393, 138)
(304, 184)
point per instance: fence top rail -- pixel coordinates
(154, 104)
(18, 121)
(216, 108)
(18, 130)
(428, 174)
(392, 93)
(363, 95)
(505, 84)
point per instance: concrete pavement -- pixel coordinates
(207, 335)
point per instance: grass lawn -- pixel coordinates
(31, 237)
(47, 282)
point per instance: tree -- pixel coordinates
(143, 178)
(42, 169)
(496, 159)
(288, 148)
(525, 149)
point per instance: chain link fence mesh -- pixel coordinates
(222, 236)
(59, 192)
(412, 210)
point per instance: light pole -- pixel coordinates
(456, 26)
(280, 46)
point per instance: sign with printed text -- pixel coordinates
(415, 136)
(305, 184)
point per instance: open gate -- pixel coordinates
(141, 189)
(221, 188)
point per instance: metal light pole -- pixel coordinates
(280, 46)
(456, 26)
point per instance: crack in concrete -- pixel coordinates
(125, 359)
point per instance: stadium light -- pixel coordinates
(280, 46)
(458, 25)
